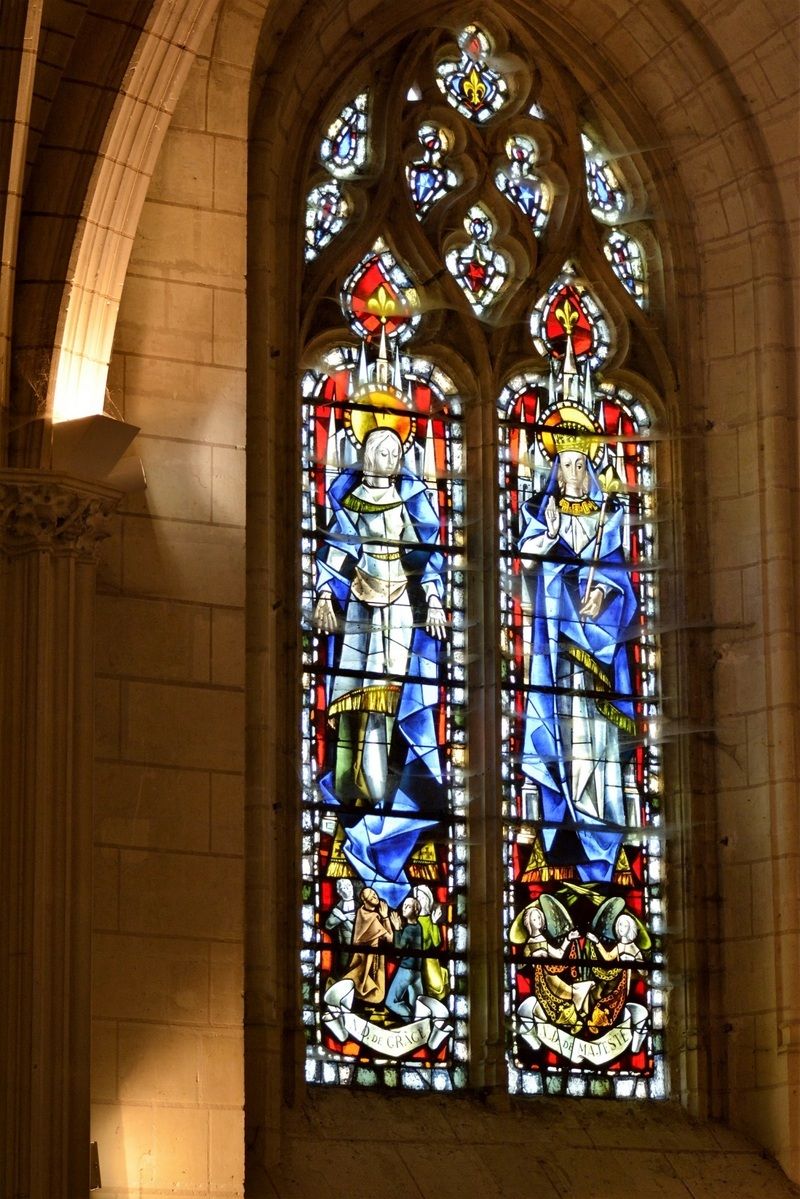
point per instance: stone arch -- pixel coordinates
(74, 268)
(683, 103)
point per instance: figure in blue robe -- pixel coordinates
(580, 711)
(379, 579)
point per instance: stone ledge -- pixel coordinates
(348, 1145)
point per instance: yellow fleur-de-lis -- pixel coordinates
(609, 480)
(474, 88)
(382, 305)
(567, 316)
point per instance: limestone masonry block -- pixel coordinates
(180, 895)
(228, 486)
(227, 814)
(186, 400)
(152, 807)
(184, 726)
(158, 1064)
(185, 561)
(153, 638)
(161, 979)
(227, 646)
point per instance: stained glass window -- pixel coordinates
(469, 82)
(327, 211)
(343, 151)
(344, 147)
(521, 184)
(625, 254)
(606, 195)
(567, 319)
(378, 296)
(429, 178)
(384, 728)
(480, 270)
(581, 768)
(571, 563)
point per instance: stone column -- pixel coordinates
(50, 529)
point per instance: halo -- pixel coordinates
(567, 423)
(386, 410)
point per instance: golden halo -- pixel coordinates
(386, 411)
(579, 432)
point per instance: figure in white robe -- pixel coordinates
(580, 702)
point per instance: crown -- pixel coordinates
(568, 427)
(574, 439)
(378, 400)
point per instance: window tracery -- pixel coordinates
(345, 146)
(626, 257)
(479, 268)
(605, 193)
(521, 184)
(327, 211)
(393, 385)
(470, 83)
(429, 178)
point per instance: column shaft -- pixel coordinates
(50, 527)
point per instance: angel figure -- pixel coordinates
(551, 940)
(611, 984)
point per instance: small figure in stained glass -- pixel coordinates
(480, 270)
(627, 262)
(406, 986)
(430, 179)
(435, 977)
(607, 198)
(341, 920)
(327, 211)
(373, 927)
(538, 945)
(580, 703)
(521, 185)
(552, 942)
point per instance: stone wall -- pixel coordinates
(167, 1012)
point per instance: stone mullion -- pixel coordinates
(50, 528)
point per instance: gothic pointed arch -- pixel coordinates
(475, 181)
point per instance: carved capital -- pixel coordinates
(40, 510)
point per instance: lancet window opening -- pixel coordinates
(464, 314)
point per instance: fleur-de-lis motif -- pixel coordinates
(609, 480)
(474, 88)
(382, 305)
(567, 315)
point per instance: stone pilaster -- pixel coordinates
(50, 529)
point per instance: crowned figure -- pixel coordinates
(579, 721)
